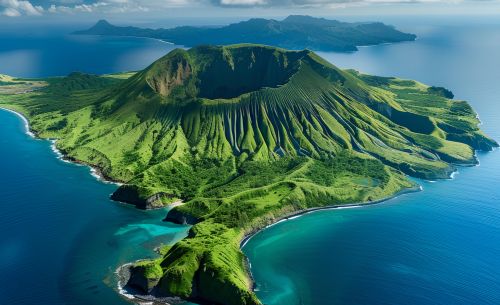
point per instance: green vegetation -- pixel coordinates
(145, 274)
(10, 85)
(293, 32)
(441, 91)
(246, 135)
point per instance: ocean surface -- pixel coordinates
(42, 55)
(439, 246)
(61, 238)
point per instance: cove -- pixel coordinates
(62, 238)
(439, 246)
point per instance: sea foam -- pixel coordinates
(25, 121)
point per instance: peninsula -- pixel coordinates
(245, 135)
(294, 32)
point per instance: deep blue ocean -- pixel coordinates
(41, 54)
(61, 238)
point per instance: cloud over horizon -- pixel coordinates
(17, 8)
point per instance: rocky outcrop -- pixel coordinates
(475, 141)
(131, 194)
(144, 276)
(178, 217)
(170, 74)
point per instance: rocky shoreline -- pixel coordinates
(296, 214)
(123, 275)
(123, 271)
(95, 171)
(299, 213)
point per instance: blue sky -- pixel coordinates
(135, 11)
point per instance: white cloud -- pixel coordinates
(15, 8)
(10, 12)
(67, 1)
(105, 6)
(59, 9)
(242, 2)
(335, 3)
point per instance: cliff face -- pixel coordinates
(131, 194)
(144, 277)
(175, 72)
(243, 135)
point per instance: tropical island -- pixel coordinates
(294, 32)
(245, 135)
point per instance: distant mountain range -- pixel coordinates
(294, 32)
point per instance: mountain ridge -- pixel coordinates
(294, 32)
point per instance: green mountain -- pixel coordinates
(294, 32)
(245, 135)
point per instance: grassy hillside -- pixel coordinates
(293, 32)
(245, 135)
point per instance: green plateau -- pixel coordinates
(294, 32)
(238, 137)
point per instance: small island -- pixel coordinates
(294, 32)
(245, 135)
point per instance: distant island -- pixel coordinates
(238, 137)
(294, 32)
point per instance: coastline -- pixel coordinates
(94, 170)
(140, 37)
(299, 213)
(25, 121)
(293, 215)
(122, 271)
(123, 274)
(187, 47)
(296, 214)
(385, 43)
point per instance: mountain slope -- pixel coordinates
(294, 32)
(246, 135)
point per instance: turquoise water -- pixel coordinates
(61, 237)
(439, 246)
